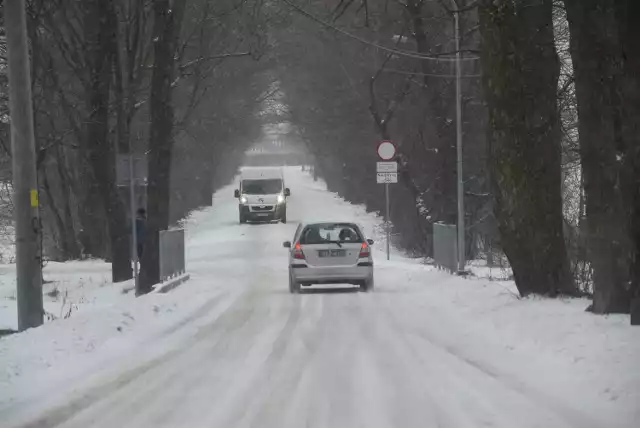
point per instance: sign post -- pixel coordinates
(131, 173)
(134, 226)
(387, 172)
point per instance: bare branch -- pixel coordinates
(212, 58)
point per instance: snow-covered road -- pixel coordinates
(253, 355)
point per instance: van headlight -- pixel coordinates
(280, 198)
(243, 199)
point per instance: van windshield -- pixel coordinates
(262, 187)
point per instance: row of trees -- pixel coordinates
(166, 80)
(551, 126)
(551, 108)
(405, 96)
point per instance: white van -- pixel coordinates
(262, 195)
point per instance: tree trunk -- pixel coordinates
(100, 38)
(488, 250)
(627, 13)
(63, 244)
(93, 226)
(520, 72)
(595, 53)
(166, 33)
(205, 189)
(442, 157)
(68, 223)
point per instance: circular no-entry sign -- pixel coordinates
(386, 150)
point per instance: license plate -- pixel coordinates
(332, 253)
(262, 214)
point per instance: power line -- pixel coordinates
(409, 73)
(375, 45)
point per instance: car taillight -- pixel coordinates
(297, 252)
(364, 251)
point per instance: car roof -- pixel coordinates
(313, 223)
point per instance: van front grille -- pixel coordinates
(262, 208)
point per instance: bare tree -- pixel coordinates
(166, 37)
(520, 67)
(627, 13)
(393, 61)
(100, 26)
(606, 118)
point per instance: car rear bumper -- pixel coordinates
(331, 275)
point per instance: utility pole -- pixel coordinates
(461, 226)
(25, 187)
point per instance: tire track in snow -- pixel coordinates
(251, 342)
(132, 405)
(414, 403)
(246, 405)
(451, 361)
(376, 389)
(101, 388)
(203, 373)
(450, 397)
(324, 386)
(243, 332)
(164, 378)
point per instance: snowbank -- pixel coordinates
(68, 288)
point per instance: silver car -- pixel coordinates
(330, 253)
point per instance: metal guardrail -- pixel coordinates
(445, 246)
(172, 254)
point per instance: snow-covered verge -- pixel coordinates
(91, 323)
(7, 244)
(7, 233)
(551, 343)
(533, 344)
(69, 288)
(497, 272)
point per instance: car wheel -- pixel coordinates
(283, 219)
(367, 285)
(242, 219)
(294, 287)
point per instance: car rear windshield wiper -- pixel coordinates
(336, 242)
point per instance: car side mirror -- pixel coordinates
(286, 244)
(287, 192)
(236, 193)
(370, 241)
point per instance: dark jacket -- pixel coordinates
(141, 230)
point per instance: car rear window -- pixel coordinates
(330, 232)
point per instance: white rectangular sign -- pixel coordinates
(387, 177)
(386, 167)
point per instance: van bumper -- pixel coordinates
(257, 213)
